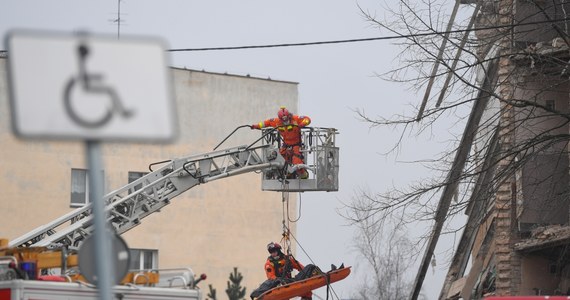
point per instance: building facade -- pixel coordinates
(517, 235)
(211, 228)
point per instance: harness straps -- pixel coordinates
(277, 268)
(300, 144)
(285, 271)
(288, 267)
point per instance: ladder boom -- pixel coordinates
(127, 206)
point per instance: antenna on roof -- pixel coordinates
(118, 20)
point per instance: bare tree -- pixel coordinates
(509, 68)
(387, 251)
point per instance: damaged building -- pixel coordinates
(516, 239)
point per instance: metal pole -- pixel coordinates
(438, 60)
(102, 238)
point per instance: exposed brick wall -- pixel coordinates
(507, 261)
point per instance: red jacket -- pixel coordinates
(291, 132)
(275, 267)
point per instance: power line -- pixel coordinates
(393, 37)
(400, 36)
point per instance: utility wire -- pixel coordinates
(400, 36)
(393, 37)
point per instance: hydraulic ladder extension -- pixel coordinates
(127, 206)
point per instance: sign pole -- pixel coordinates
(88, 87)
(102, 238)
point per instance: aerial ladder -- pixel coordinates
(127, 206)
(56, 244)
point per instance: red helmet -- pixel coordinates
(273, 247)
(284, 114)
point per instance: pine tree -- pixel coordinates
(234, 290)
(212, 293)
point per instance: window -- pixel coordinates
(143, 259)
(134, 176)
(550, 104)
(80, 187)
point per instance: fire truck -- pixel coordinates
(45, 262)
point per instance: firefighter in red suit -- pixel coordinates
(289, 127)
(279, 265)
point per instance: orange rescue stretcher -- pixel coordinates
(301, 287)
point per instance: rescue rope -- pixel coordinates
(329, 287)
(286, 236)
(328, 284)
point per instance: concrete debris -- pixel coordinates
(543, 237)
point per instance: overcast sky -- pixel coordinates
(334, 80)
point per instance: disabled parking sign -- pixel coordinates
(89, 87)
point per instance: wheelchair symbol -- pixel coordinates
(91, 85)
